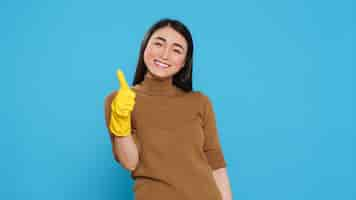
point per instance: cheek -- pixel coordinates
(179, 61)
(148, 54)
(152, 52)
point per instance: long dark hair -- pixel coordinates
(182, 79)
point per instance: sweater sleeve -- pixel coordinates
(212, 147)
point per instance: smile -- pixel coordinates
(160, 64)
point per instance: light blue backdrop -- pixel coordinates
(280, 75)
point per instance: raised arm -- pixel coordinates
(118, 107)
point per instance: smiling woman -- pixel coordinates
(165, 50)
(161, 130)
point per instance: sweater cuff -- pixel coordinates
(215, 159)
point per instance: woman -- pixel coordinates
(161, 130)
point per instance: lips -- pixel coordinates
(160, 64)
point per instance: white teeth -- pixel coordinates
(160, 64)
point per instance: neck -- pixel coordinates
(152, 76)
(154, 85)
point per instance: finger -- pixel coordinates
(127, 96)
(124, 113)
(122, 80)
(127, 106)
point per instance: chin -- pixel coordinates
(158, 73)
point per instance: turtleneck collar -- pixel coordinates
(160, 87)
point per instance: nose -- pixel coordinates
(165, 54)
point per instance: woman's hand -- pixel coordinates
(121, 108)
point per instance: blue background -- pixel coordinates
(280, 74)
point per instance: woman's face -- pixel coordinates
(165, 53)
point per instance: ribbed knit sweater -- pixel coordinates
(177, 140)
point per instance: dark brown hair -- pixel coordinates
(182, 79)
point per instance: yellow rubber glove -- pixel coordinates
(121, 108)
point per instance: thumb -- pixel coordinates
(122, 80)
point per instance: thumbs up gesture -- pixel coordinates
(121, 108)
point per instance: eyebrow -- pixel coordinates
(164, 40)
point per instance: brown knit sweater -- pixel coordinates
(177, 140)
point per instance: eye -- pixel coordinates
(177, 51)
(157, 44)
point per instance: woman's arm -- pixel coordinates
(212, 149)
(124, 148)
(125, 151)
(222, 181)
